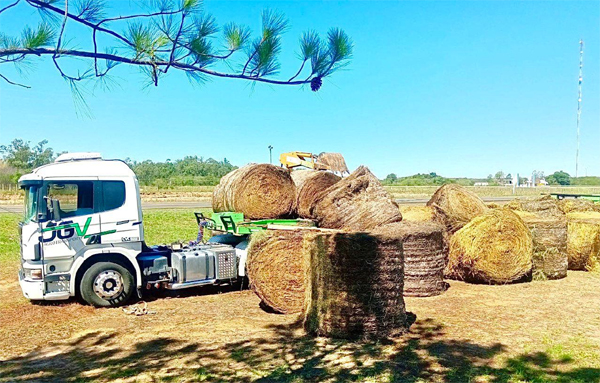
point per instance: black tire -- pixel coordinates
(110, 270)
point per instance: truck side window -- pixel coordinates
(76, 198)
(113, 193)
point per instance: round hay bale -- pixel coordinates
(583, 240)
(275, 268)
(333, 161)
(257, 190)
(577, 205)
(355, 283)
(544, 206)
(357, 202)
(549, 235)
(417, 213)
(492, 205)
(493, 248)
(424, 256)
(311, 190)
(455, 206)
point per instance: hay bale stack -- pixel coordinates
(309, 188)
(544, 206)
(583, 240)
(549, 245)
(333, 161)
(257, 190)
(577, 205)
(493, 248)
(355, 286)
(275, 268)
(357, 202)
(424, 256)
(417, 213)
(455, 206)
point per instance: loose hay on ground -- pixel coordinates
(257, 190)
(355, 286)
(309, 188)
(549, 245)
(424, 256)
(495, 247)
(275, 268)
(357, 203)
(583, 240)
(455, 206)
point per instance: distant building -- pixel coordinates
(481, 184)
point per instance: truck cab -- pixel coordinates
(82, 234)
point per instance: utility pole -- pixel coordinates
(270, 154)
(579, 105)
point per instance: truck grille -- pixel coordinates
(227, 264)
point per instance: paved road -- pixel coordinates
(206, 204)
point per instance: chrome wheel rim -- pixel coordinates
(108, 284)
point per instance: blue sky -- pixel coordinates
(462, 88)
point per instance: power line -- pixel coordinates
(579, 105)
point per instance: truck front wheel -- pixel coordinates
(106, 284)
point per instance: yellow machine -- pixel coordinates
(325, 161)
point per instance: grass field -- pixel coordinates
(196, 193)
(531, 332)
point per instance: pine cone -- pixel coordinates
(315, 83)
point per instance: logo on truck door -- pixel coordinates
(68, 229)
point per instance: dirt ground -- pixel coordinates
(530, 332)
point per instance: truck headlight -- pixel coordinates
(35, 274)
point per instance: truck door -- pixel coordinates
(66, 233)
(119, 212)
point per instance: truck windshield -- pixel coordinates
(30, 203)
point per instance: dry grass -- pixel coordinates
(533, 332)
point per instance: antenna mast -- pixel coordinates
(579, 105)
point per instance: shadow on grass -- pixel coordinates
(288, 356)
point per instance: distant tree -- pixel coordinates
(499, 175)
(391, 178)
(509, 176)
(22, 156)
(559, 178)
(168, 35)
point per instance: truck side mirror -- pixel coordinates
(54, 208)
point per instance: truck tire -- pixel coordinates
(106, 284)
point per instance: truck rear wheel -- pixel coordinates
(106, 284)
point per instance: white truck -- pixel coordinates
(82, 234)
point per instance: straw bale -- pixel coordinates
(583, 240)
(544, 205)
(577, 205)
(495, 248)
(417, 213)
(355, 283)
(333, 161)
(549, 245)
(357, 203)
(455, 206)
(275, 268)
(424, 256)
(257, 190)
(310, 185)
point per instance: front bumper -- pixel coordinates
(34, 290)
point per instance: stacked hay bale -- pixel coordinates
(276, 268)
(577, 205)
(583, 245)
(355, 286)
(310, 185)
(455, 206)
(257, 190)
(549, 245)
(544, 206)
(357, 202)
(424, 256)
(417, 213)
(495, 248)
